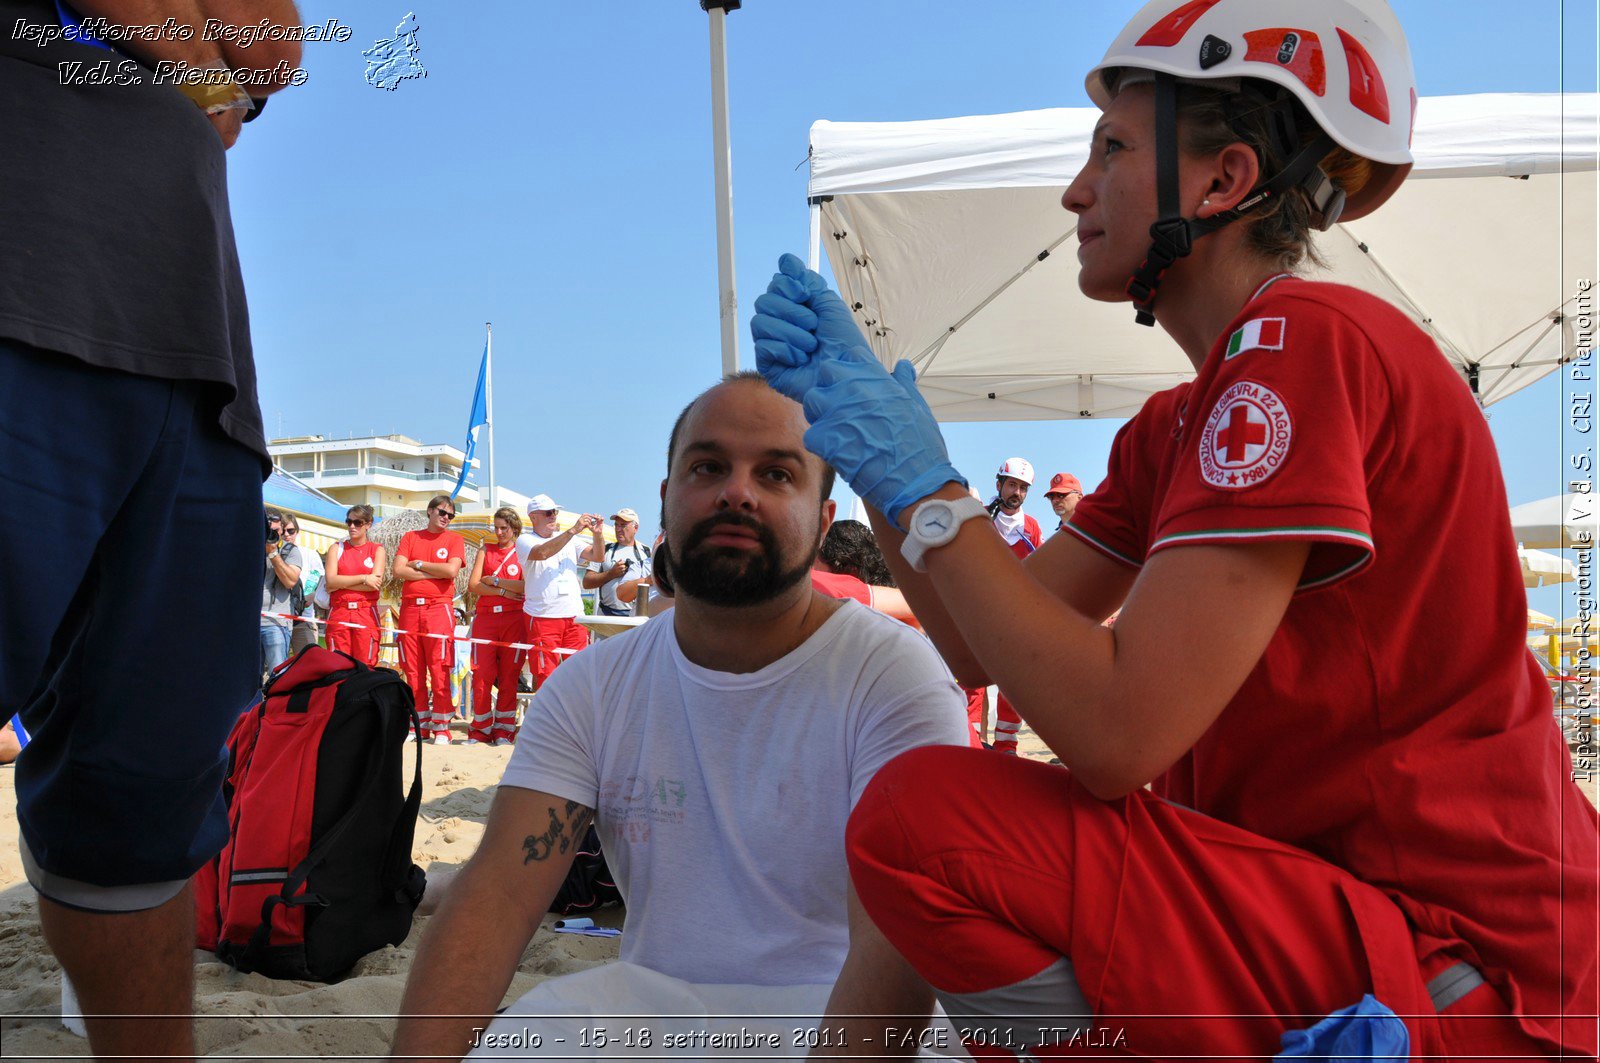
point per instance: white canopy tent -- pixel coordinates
(949, 238)
(1558, 522)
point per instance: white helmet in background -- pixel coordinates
(1345, 61)
(1017, 469)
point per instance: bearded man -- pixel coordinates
(718, 749)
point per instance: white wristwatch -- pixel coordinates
(935, 523)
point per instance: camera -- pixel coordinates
(272, 533)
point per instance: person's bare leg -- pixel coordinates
(130, 963)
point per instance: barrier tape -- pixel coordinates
(559, 651)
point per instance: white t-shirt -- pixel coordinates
(554, 587)
(721, 799)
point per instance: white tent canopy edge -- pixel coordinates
(948, 238)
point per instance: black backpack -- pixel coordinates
(317, 870)
(589, 884)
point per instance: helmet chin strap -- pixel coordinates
(1172, 236)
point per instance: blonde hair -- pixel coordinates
(510, 516)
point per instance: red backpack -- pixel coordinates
(317, 871)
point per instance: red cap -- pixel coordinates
(1062, 482)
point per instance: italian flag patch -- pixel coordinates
(1262, 334)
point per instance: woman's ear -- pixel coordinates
(1235, 171)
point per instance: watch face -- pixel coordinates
(933, 519)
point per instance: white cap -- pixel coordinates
(1017, 469)
(542, 504)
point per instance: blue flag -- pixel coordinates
(478, 418)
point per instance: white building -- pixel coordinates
(389, 473)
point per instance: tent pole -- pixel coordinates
(814, 252)
(727, 299)
(488, 405)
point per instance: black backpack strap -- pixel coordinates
(410, 887)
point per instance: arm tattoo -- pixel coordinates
(561, 836)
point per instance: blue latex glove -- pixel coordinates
(876, 430)
(1366, 1031)
(799, 322)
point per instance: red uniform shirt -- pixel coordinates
(839, 585)
(1396, 725)
(501, 562)
(431, 547)
(355, 561)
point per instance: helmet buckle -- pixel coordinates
(1172, 239)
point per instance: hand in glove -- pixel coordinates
(875, 429)
(799, 323)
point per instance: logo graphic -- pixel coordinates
(1214, 50)
(1286, 50)
(1262, 334)
(1246, 438)
(441, 553)
(395, 60)
(513, 571)
(367, 562)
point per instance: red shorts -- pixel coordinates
(1187, 934)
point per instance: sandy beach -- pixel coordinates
(260, 1018)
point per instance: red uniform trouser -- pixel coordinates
(495, 716)
(426, 660)
(1006, 723)
(547, 635)
(1185, 934)
(977, 708)
(353, 628)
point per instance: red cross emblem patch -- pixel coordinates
(441, 553)
(1246, 437)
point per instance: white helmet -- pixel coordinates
(1017, 469)
(1346, 61)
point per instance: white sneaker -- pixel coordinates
(501, 742)
(441, 740)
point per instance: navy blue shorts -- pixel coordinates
(133, 541)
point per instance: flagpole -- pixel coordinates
(488, 406)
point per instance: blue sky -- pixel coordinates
(552, 174)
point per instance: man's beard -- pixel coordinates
(728, 576)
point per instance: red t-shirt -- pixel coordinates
(1396, 725)
(502, 562)
(839, 585)
(355, 561)
(431, 547)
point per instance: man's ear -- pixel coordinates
(663, 490)
(830, 509)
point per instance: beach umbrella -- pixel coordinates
(1537, 621)
(1540, 569)
(1556, 522)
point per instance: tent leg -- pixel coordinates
(814, 252)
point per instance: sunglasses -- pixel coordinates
(291, 531)
(445, 514)
(353, 523)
